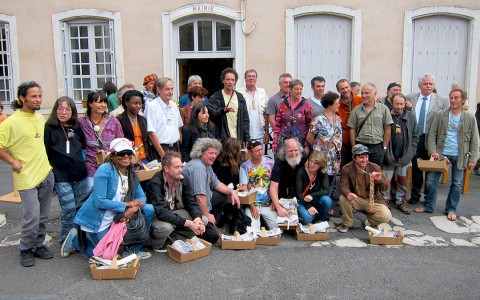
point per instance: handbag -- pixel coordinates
(137, 231)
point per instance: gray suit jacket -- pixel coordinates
(437, 103)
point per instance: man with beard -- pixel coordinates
(392, 89)
(355, 188)
(176, 210)
(22, 135)
(282, 185)
(400, 150)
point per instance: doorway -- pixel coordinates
(209, 69)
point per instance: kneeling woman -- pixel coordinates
(313, 189)
(116, 195)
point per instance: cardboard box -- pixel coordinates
(114, 272)
(265, 240)
(147, 174)
(238, 244)
(184, 257)
(244, 155)
(284, 226)
(249, 199)
(386, 240)
(319, 236)
(433, 165)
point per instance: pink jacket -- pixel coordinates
(108, 246)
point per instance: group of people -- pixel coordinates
(370, 141)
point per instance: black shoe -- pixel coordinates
(26, 258)
(414, 200)
(43, 253)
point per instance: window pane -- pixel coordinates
(85, 70)
(74, 44)
(99, 56)
(75, 58)
(98, 30)
(86, 84)
(186, 37)
(205, 36)
(74, 31)
(76, 70)
(85, 58)
(83, 43)
(77, 95)
(98, 43)
(100, 69)
(100, 82)
(83, 31)
(224, 37)
(107, 42)
(77, 83)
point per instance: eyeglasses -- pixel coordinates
(65, 110)
(123, 153)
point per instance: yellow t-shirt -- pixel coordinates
(231, 116)
(22, 135)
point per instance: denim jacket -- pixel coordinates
(105, 186)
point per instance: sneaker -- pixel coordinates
(404, 208)
(67, 246)
(43, 253)
(162, 249)
(343, 228)
(144, 254)
(26, 258)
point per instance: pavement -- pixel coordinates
(439, 259)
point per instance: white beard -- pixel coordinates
(293, 162)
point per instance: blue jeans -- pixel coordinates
(454, 192)
(322, 204)
(69, 194)
(94, 237)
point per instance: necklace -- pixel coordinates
(37, 135)
(96, 126)
(133, 120)
(68, 136)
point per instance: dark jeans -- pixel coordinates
(218, 204)
(376, 153)
(417, 175)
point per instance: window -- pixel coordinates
(6, 90)
(205, 36)
(89, 56)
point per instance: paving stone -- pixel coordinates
(397, 228)
(385, 225)
(476, 240)
(349, 242)
(413, 232)
(321, 243)
(3, 220)
(476, 219)
(11, 240)
(442, 223)
(396, 221)
(426, 241)
(462, 243)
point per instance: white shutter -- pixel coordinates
(440, 47)
(322, 48)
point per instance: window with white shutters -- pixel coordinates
(6, 89)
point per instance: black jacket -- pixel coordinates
(128, 130)
(216, 106)
(156, 193)
(189, 138)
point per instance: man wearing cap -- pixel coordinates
(148, 84)
(256, 173)
(177, 212)
(348, 101)
(163, 119)
(369, 124)
(318, 88)
(392, 89)
(424, 106)
(256, 99)
(401, 148)
(355, 182)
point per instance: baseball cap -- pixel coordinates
(392, 85)
(359, 149)
(121, 144)
(253, 144)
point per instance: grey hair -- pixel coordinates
(373, 86)
(122, 91)
(280, 78)
(193, 78)
(281, 154)
(201, 145)
(425, 76)
(160, 83)
(250, 71)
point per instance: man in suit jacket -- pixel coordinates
(433, 104)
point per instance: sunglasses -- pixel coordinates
(123, 153)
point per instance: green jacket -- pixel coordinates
(467, 137)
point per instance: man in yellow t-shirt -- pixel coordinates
(22, 135)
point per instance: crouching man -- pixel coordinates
(177, 213)
(355, 190)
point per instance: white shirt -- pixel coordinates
(164, 120)
(418, 107)
(255, 113)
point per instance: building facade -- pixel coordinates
(72, 47)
